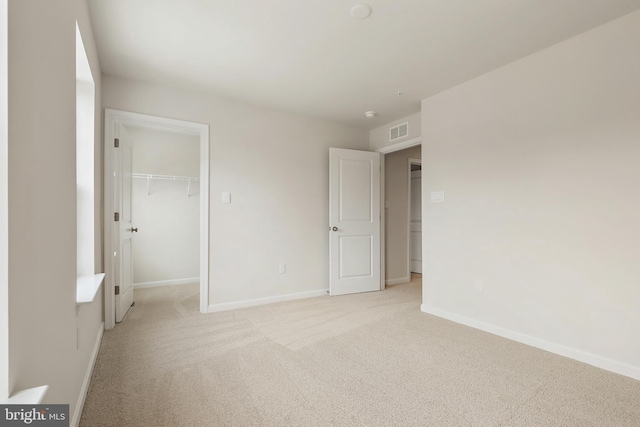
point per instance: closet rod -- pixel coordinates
(150, 176)
(167, 177)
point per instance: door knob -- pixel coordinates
(334, 228)
(134, 230)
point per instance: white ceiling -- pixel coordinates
(312, 57)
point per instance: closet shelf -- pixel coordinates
(167, 177)
(150, 176)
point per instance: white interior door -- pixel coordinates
(354, 227)
(124, 230)
(415, 224)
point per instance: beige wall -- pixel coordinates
(43, 317)
(396, 172)
(164, 152)
(539, 161)
(379, 137)
(275, 165)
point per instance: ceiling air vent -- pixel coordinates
(399, 131)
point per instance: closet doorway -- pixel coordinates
(165, 205)
(168, 187)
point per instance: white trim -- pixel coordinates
(383, 225)
(400, 145)
(410, 161)
(398, 281)
(267, 300)
(166, 283)
(204, 219)
(4, 202)
(572, 353)
(128, 118)
(77, 414)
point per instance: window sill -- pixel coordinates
(31, 396)
(87, 288)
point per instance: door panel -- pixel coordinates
(355, 190)
(354, 228)
(124, 257)
(356, 254)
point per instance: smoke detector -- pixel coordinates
(361, 11)
(370, 114)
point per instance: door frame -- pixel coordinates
(410, 162)
(383, 243)
(113, 117)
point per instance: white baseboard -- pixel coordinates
(30, 396)
(572, 353)
(397, 281)
(268, 300)
(75, 421)
(166, 283)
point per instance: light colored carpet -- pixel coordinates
(359, 360)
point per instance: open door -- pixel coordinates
(123, 155)
(354, 227)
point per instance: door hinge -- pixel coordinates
(116, 142)
(117, 290)
(116, 216)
